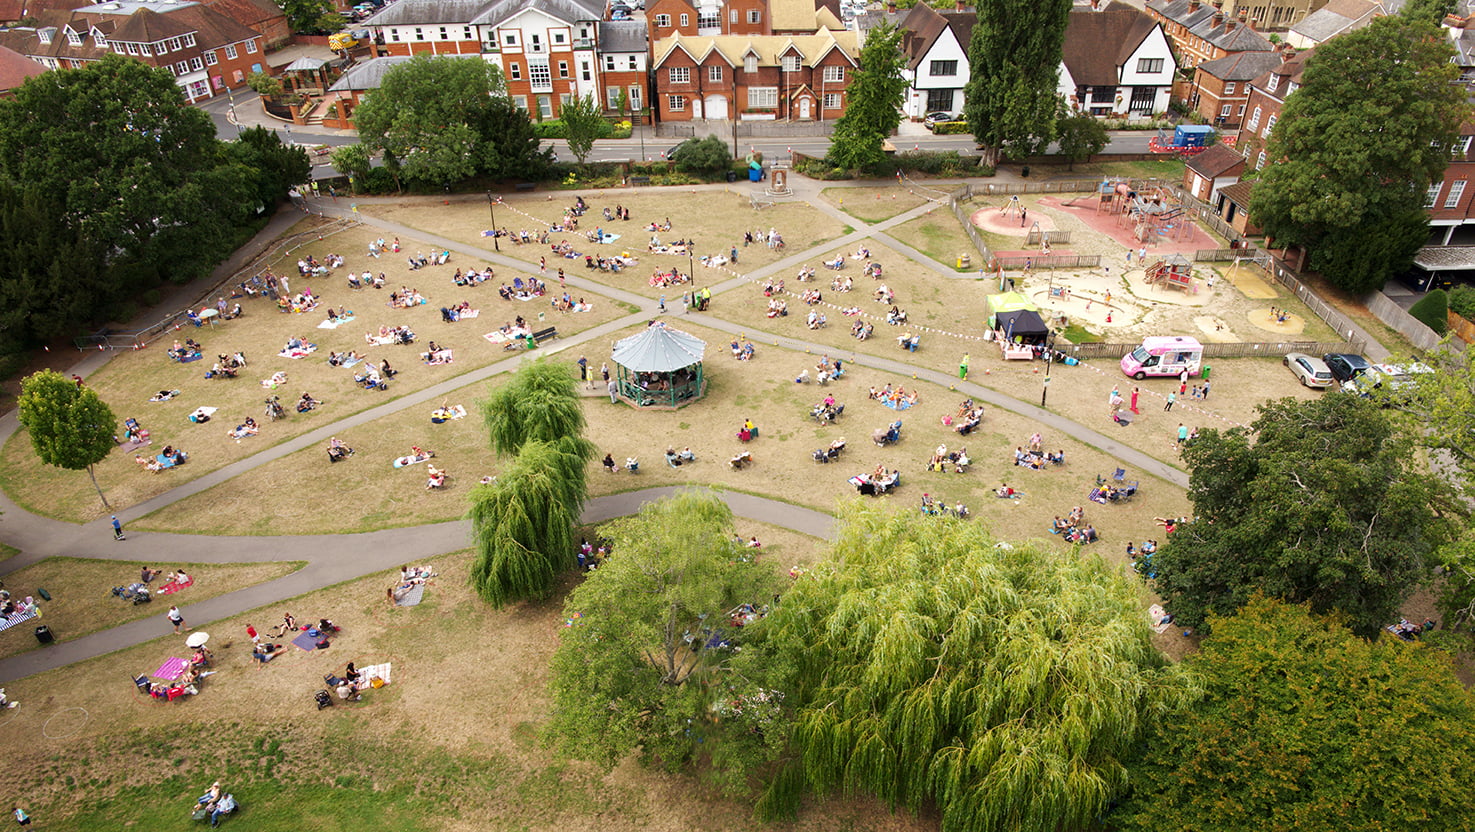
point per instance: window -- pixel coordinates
(520, 102)
(1225, 111)
(612, 98)
(685, 20)
(1273, 83)
(444, 33)
(564, 99)
(836, 74)
(1269, 123)
(1241, 111)
(675, 103)
(1260, 160)
(750, 63)
(73, 38)
(1456, 190)
(832, 100)
(762, 98)
(584, 71)
(250, 47)
(1148, 66)
(189, 40)
(511, 40)
(634, 63)
(197, 65)
(514, 71)
(198, 90)
(679, 74)
(394, 35)
(1462, 146)
(663, 21)
(1229, 88)
(791, 63)
(755, 16)
(709, 19)
(609, 63)
(634, 97)
(466, 33)
(133, 50)
(230, 52)
(545, 106)
(1254, 121)
(1433, 195)
(563, 69)
(558, 37)
(535, 43)
(181, 68)
(937, 68)
(714, 74)
(143, 49)
(540, 75)
(1292, 87)
(175, 44)
(940, 101)
(419, 33)
(732, 16)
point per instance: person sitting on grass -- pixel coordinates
(436, 477)
(307, 403)
(288, 625)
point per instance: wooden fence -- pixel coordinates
(1056, 237)
(1053, 261)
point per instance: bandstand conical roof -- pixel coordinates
(659, 349)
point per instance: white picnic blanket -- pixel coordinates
(1155, 616)
(335, 324)
(467, 314)
(207, 411)
(375, 671)
(16, 618)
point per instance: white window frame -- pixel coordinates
(790, 63)
(685, 20)
(1269, 125)
(181, 68)
(663, 21)
(676, 103)
(833, 101)
(1260, 160)
(1432, 197)
(755, 16)
(762, 98)
(1254, 121)
(520, 102)
(558, 38)
(609, 63)
(540, 75)
(678, 74)
(514, 71)
(189, 40)
(563, 69)
(197, 65)
(73, 38)
(732, 16)
(714, 74)
(612, 98)
(933, 69)
(750, 64)
(1456, 190)
(833, 75)
(635, 92)
(1229, 88)
(230, 52)
(251, 47)
(1274, 83)
(133, 48)
(175, 44)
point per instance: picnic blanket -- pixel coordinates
(440, 357)
(406, 461)
(207, 412)
(374, 671)
(175, 586)
(134, 444)
(171, 669)
(381, 340)
(16, 618)
(166, 461)
(164, 395)
(349, 362)
(1159, 619)
(467, 314)
(411, 596)
(194, 356)
(453, 412)
(307, 641)
(608, 238)
(900, 404)
(342, 319)
(298, 352)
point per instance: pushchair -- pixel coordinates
(135, 592)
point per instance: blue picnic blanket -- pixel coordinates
(902, 404)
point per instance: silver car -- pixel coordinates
(1312, 371)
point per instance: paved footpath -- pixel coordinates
(332, 559)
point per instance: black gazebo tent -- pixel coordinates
(1023, 326)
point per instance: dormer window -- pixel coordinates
(73, 38)
(750, 63)
(791, 63)
(44, 35)
(1273, 83)
(102, 42)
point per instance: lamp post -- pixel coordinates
(691, 271)
(492, 207)
(1049, 359)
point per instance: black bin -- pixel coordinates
(43, 634)
(732, 176)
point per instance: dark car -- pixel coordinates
(1345, 366)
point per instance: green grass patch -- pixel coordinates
(938, 236)
(1077, 334)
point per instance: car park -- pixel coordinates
(1345, 366)
(1312, 371)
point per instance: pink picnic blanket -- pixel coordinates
(175, 586)
(171, 669)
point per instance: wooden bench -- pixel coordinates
(524, 187)
(639, 180)
(545, 335)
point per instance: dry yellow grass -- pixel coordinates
(873, 204)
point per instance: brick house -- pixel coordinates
(800, 78)
(1202, 32)
(1221, 87)
(1116, 62)
(1214, 169)
(624, 64)
(1267, 98)
(1233, 206)
(15, 68)
(428, 27)
(207, 52)
(711, 18)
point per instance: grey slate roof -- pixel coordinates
(623, 36)
(370, 74)
(428, 12)
(1241, 66)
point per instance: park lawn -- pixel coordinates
(403, 756)
(715, 218)
(130, 378)
(1169, 169)
(874, 204)
(7, 551)
(938, 236)
(82, 601)
(762, 389)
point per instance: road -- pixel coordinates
(243, 110)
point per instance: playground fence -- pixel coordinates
(954, 202)
(1056, 237)
(1053, 261)
(1222, 255)
(1248, 349)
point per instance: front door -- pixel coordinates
(804, 108)
(696, 108)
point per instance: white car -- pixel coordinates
(1312, 371)
(1395, 376)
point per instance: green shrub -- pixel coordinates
(554, 129)
(379, 181)
(950, 128)
(1462, 301)
(1433, 311)
(702, 156)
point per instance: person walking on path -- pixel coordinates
(614, 392)
(963, 368)
(1134, 400)
(176, 618)
(1129, 257)
(1172, 397)
(117, 529)
(604, 371)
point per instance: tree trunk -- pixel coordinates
(990, 156)
(100, 495)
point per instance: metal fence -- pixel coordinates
(1248, 349)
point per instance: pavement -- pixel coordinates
(332, 559)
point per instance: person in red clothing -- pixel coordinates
(251, 633)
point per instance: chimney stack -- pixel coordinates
(1229, 24)
(1243, 13)
(891, 6)
(1218, 19)
(959, 6)
(1253, 24)
(1193, 6)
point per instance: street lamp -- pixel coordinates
(691, 272)
(1049, 358)
(492, 207)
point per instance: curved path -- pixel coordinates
(332, 559)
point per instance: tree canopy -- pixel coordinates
(1014, 63)
(1358, 146)
(582, 122)
(642, 662)
(708, 154)
(70, 426)
(1081, 137)
(874, 99)
(312, 17)
(1303, 726)
(1321, 501)
(926, 664)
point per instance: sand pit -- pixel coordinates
(1250, 281)
(1215, 329)
(1281, 323)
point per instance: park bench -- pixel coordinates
(639, 180)
(524, 187)
(545, 335)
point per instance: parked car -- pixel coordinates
(933, 118)
(1345, 366)
(1312, 371)
(670, 153)
(1393, 376)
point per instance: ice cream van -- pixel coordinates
(1167, 355)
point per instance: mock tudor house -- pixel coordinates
(207, 52)
(936, 46)
(1221, 87)
(777, 77)
(1202, 32)
(1117, 63)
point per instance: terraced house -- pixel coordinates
(774, 77)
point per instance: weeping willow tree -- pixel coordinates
(648, 651)
(522, 524)
(926, 666)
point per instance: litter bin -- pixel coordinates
(43, 634)
(732, 176)
(965, 261)
(755, 174)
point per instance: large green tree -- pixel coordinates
(312, 17)
(70, 426)
(1014, 63)
(582, 122)
(50, 275)
(1305, 726)
(929, 665)
(1081, 136)
(510, 147)
(278, 166)
(425, 116)
(643, 664)
(1320, 501)
(1357, 147)
(873, 105)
